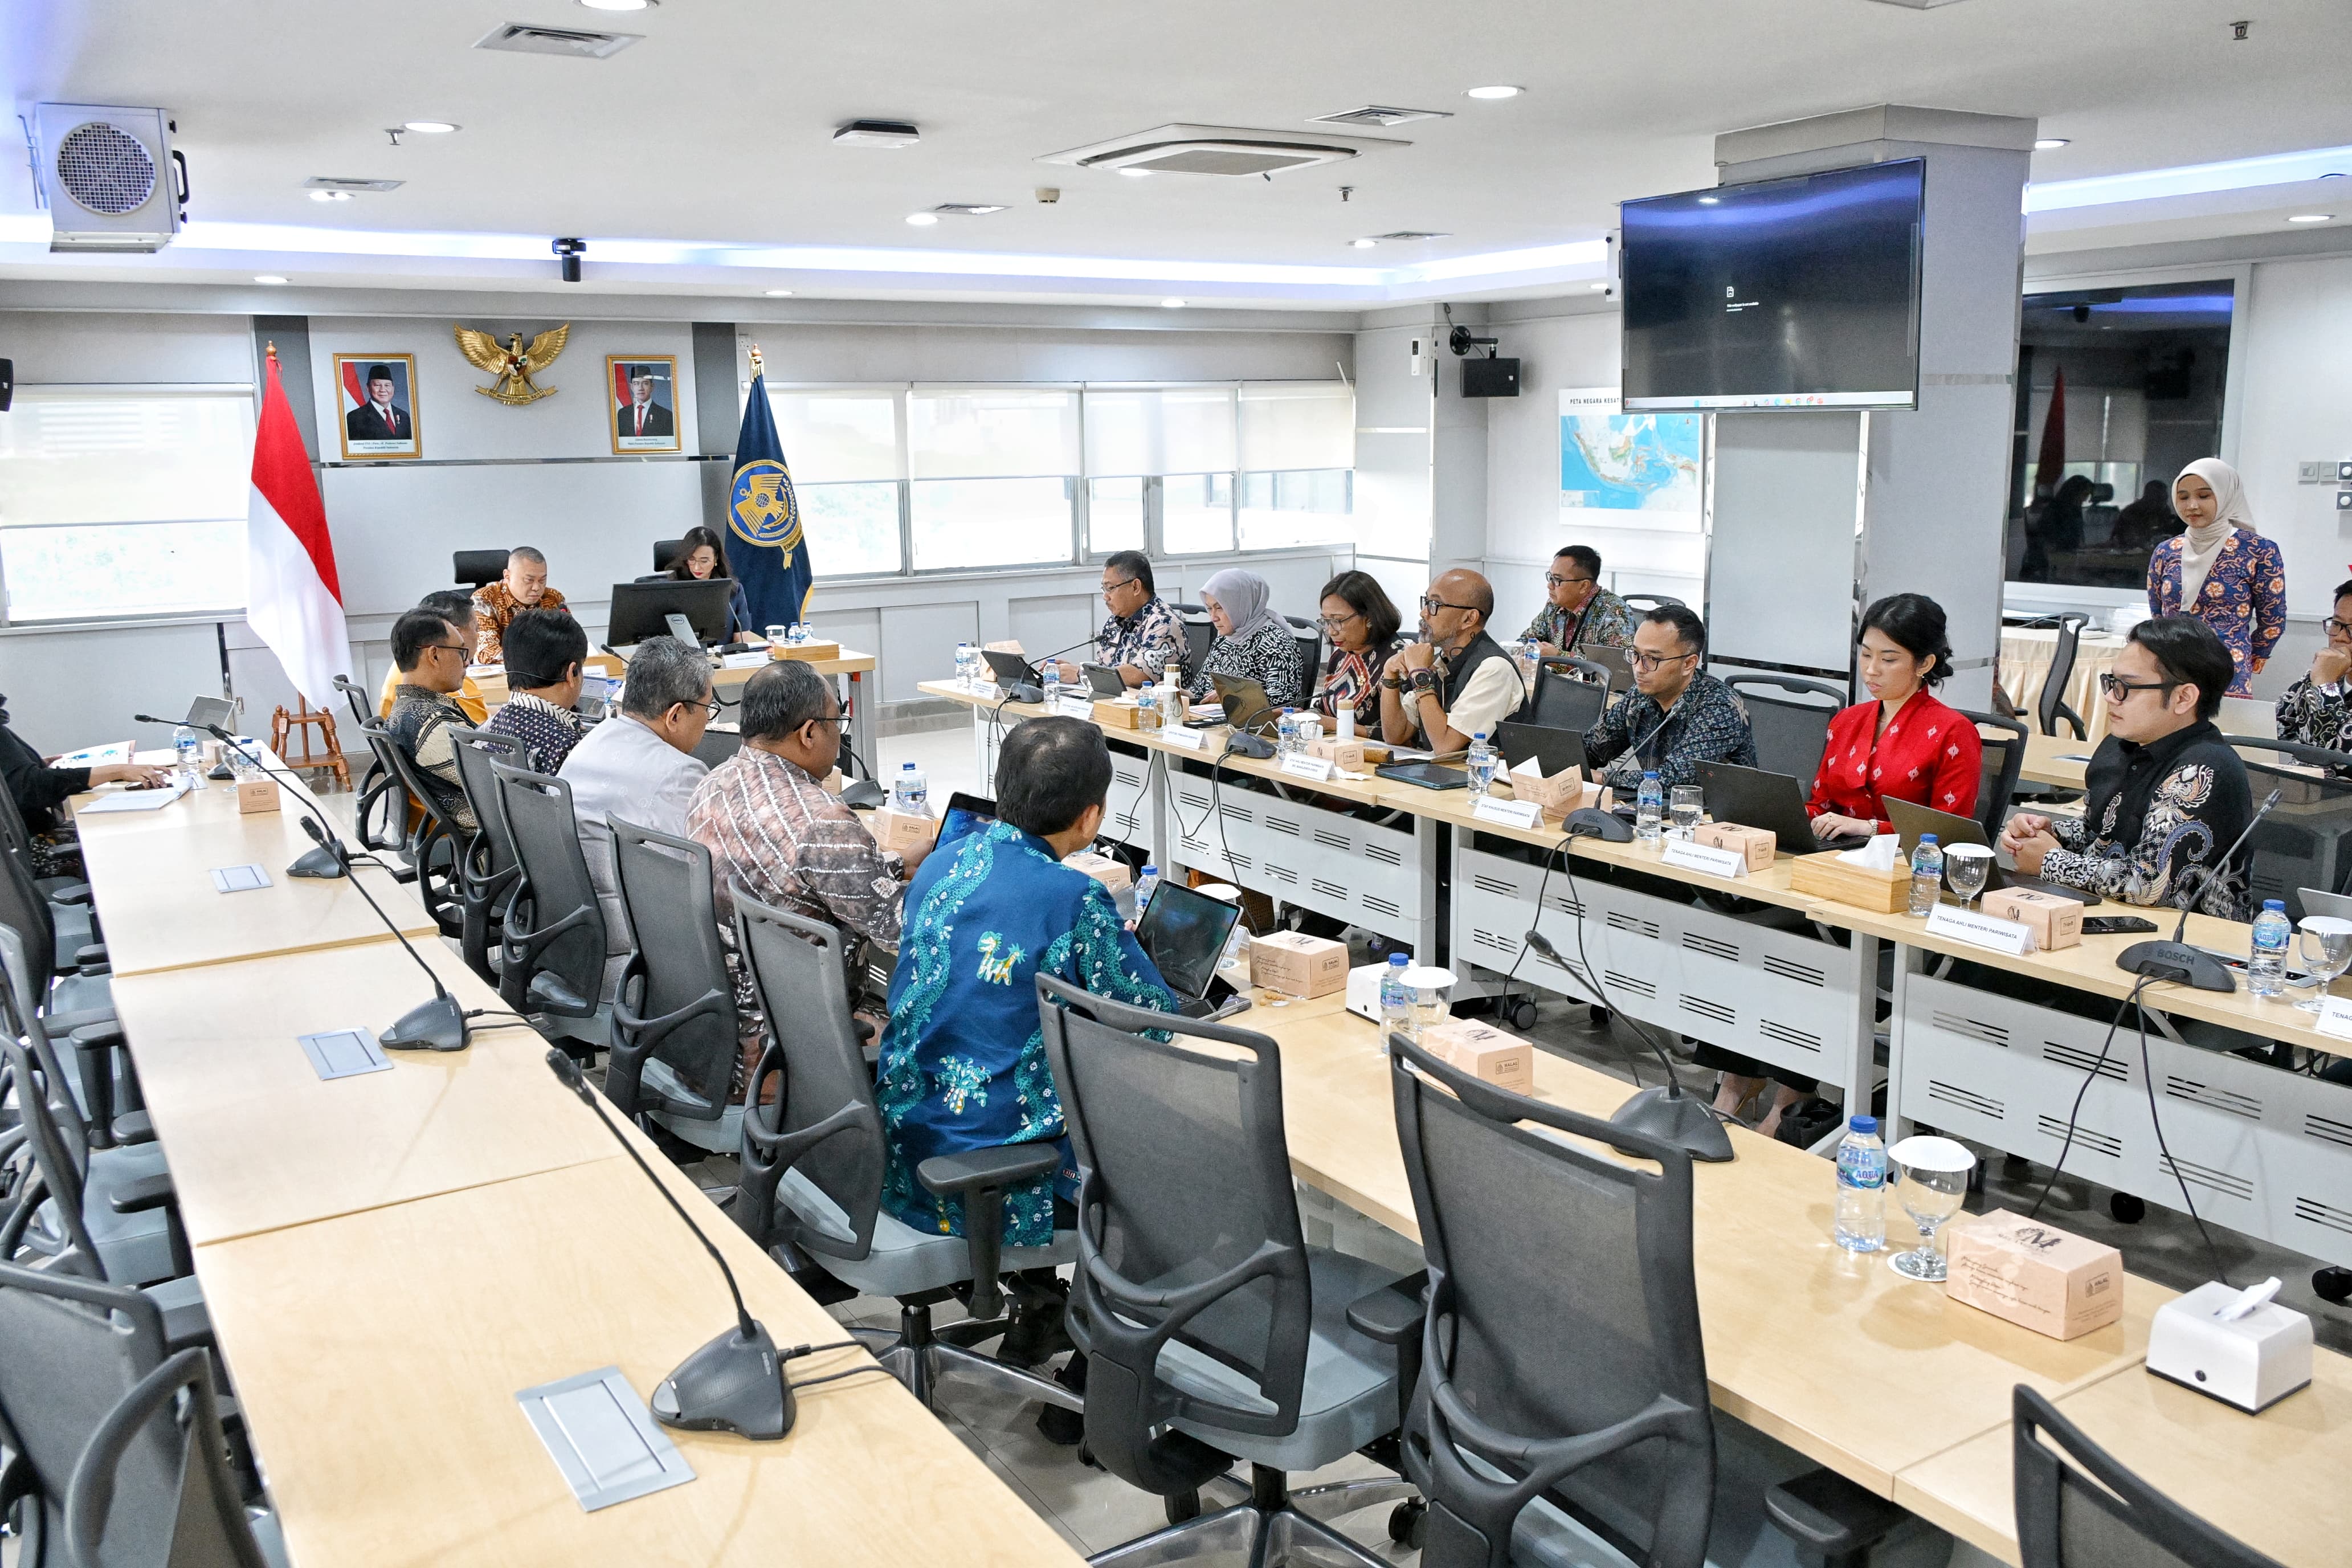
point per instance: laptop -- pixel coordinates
(1245, 704)
(2337, 906)
(1184, 932)
(1911, 821)
(1555, 751)
(1773, 802)
(1615, 661)
(1105, 679)
(965, 814)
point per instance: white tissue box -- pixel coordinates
(2252, 1362)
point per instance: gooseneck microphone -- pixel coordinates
(436, 1026)
(734, 1383)
(2180, 959)
(319, 864)
(1664, 1113)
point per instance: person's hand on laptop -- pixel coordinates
(1067, 671)
(1829, 825)
(2028, 838)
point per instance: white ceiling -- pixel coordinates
(717, 126)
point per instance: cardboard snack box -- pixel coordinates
(1756, 843)
(254, 795)
(1111, 873)
(903, 831)
(1559, 794)
(2055, 921)
(1346, 755)
(2033, 1275)
(1296, 964)
(1485, 1053)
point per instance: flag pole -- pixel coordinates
(755, 360)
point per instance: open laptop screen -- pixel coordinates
(1182, 932)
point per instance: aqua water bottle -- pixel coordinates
(1860, 1223)
(2267, 974)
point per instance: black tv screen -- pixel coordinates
(1796, 293)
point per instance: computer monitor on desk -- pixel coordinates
(641, 610)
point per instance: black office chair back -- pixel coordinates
(487, 873)
(822, 1124)
(551, 949)
(665, 553)
(15, 836)
(377, 820)
(20, 1014)
(2302, 843)
(1200, 634)
(2004, 759)
(2094, 1513)
(475, 568)
(676, 1003)
(1790, 716)
(2051, 706)
(1641, 602)
(190, 1509)
(357, 696)
(75, 1347)
(1563, 701)
(436, 846)
(60, 1168)
(24, 911)
(1310, 650)
(1188, 1227)
(1562, 1343)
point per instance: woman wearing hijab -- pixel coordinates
(1253, 642)
(2221, 571)
(37, 790)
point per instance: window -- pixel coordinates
(858, 524)
(1299, 451)
(995, 473)
(990, 522)
(1315, 506)
(1196, 513)
(1114, 515)
(125, 501)
(842, 445)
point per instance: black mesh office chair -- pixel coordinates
(813, 1166)
(1212, 1331)
(1571, 694)
(436, 846)
(675, 1037)
(1200, 634)
(2302, 843)
(157, 1474)
(551, 952)
(1790, 719)
(1639, 603)
(2004, 757)
(103, 1065)
(2094, 1513)
(378, 819)
(1562, 1376)
(1310, 650)
(2049, 706)
(487, 872)
(477, 568)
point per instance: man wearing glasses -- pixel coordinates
(1578, 611)
(639, 765)
(2317, 709)
(1677, 717)
(1143, 637)
(431, 654)
(1456, 682)
(2167, 796)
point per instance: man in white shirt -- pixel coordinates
(1456, 682)
(639, 765)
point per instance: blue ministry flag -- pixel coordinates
(767, 552)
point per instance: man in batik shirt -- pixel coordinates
(1143, 637)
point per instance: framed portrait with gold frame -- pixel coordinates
(641, 403)
(376, 394)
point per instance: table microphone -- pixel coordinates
(319, 864)
(2183, 961)
(1034, 688)
(1664, 1113)
(734, 1383)
(436, 1026)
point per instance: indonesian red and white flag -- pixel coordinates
(292, 598)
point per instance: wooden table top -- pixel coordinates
(2276, 1481)
(257, 1140)
(377, 1357)
(2059, 760)
(1797, 1329)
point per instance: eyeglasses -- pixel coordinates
(1111, 588)
(1430, 604)
(1333, 623)
(2118, 689)
(2332, 626)
(1553, 580)
(711, 707)
(1647, 661)
(445, 647)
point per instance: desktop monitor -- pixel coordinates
(641, 610)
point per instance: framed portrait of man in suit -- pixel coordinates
(643, 415)
(376, 394)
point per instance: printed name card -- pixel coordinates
(985, 690)
(1183, 738)
(1305, 767)
(1980, 929)
(1076, 707)
(2336, 1017)
(1688, 856)
(1522, 814)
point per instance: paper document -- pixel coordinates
(97, 756)
(134, 800)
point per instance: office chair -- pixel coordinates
(1200, 634)
(2051, 705)
(84, 1014)
(1791, 728)
(1640, 602)
(552, 950)
(1212, 1331)
(675, 1039)
(477, 568)
(379, 816)
(434, 848)
(2301, 844)
(666, 554)
(487, 872)
(813, 1168)
(1311, 649)
(2004, 757)
(1563, 1382)
(156, 1474)
(2093, 1511)
(1565, 701)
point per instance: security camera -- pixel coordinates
(568, 251)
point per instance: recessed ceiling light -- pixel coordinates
(922, 220)
(1493, 92)
(330, 196)
(1172, 304)
(1137, 173)
(2050, 143)
(429, 127)
(620, 5)
(267, 278)
(1363, 244)
(1708, 201)
(778, 293)
(2312, 217)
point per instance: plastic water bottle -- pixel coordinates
(1531, 660)
(911, 792)
(1144, 885)
(1146, 707)
(1862, 1187)
(1648, 809)
(2266, 976)
(1053, 673)
(1927, 875)
(963, 667)
(1396, 1000)
(1286, 734)
(190, 752)
(1482, 764)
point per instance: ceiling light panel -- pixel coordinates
(877, 133)
(2188, 180)
(1493, 92)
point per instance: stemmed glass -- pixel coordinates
(1685, 806)
(1930, 1176)
(1966, 867)
(2326, 946)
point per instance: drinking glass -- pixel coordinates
(1930, 1178)
(1429, 985)
(2326, 945)
(1685, 806)
(1966, 867)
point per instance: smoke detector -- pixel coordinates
(877, 133)
(1379, 117)
(579, 42)
(1223, 150)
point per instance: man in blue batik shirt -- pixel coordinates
(963, 1060)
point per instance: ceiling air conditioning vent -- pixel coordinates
(1414, 234)
(1218, 150)
(1380, 118)
(330, 182)
(526, 39)
(104, 176)
(968, 209)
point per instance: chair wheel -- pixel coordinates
(2332, 1284)
(1086, 1458)
(1523, 1014)
(1600, 1018)
(1183, 1505)
(1409, 1523)
(2126, 1209)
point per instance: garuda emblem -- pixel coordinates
(514, 365)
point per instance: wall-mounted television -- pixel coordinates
(1795, 293)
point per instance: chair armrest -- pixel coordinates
(146, 1193)
(978, 1176)
(134, 1127)
(75, 893)
(92, 960)
(103, 1037)
(1822, 1510)
(1393, 1313)
(95, 1044)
